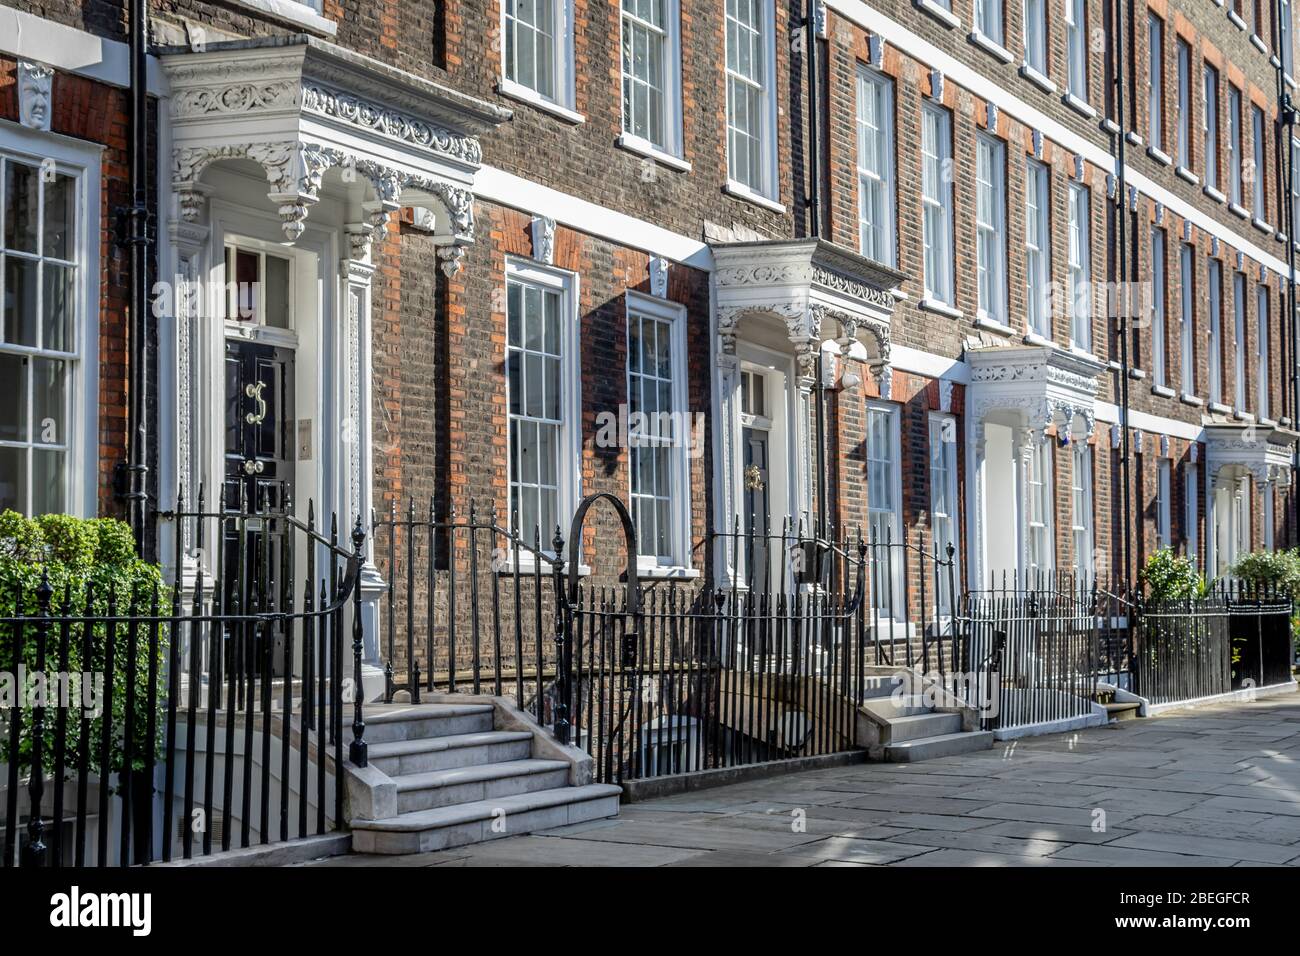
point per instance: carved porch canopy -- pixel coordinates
(1042, 385)
(1265, 452)
(301, 108)
(817, 290)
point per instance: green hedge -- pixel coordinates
(74, 553)
(1167, 577)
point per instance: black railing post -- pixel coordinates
(563, 644)
(34, 852)
(357, 750)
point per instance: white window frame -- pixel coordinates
(670, 117)
(1187, 316)
(1210, 124)
(1035, 29)
(1081, 521)
(936, 209)
(1155, 81)
(563, 98)
(892, 462)
(988, 20)
(1214, 360)
(1038, 499)
(1259, 185)
(1076, 48)
(943, 478)
(1234, 145)
(1192, 512)
(80, 443)
(1184, 103)
(1239, 341)
(1159, 328)
(673, 315)
(990, 228)
(1263, 314)
(767, 189)
(1284, 37)
(1038, 253)
(1080, 259)
(876, 239)
(1164, 519)
(569, 444)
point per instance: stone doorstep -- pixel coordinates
(427, 830)
(942, 745)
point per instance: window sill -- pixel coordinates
(992, 325)
(1262, 226)
(1258, 43)
(1079, 105)
(1109, 126)
(1033, 338)
(1036, 78)
(1162, 391)
(667, 573)
(1267, 422)
(1085, 354)
(1238, 210)
(1136, 373)
(1189, 399)
(990, 46)
(635, 144)
(946, 17)
(1160, 156)
(528, 565)
(522, 93)
(741, 191)
(1290, 80)
(1219, 407)
(1280, 237)
(1186, 175)
(1236, 21)
(293, 14)
(929, 304)
(1133, 139)
(1214, 194)
(1241, 416)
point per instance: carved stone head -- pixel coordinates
(34, 84)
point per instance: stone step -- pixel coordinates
(387, 723)
(403, 757)
(922, 725)
(905, 706)
(437, 829)
(944, 745)
(1123, 710)
(444, 788)
(873, 687)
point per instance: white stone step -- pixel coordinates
(889, 707)
(923, 725)
(403, 757)
(386, 723)
(944, 745)
(444, 788)
(873, 687)
(437, 829)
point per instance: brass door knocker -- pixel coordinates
(255, 393)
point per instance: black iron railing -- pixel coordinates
(224, 696)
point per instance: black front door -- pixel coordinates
(756, 520)
(259, 465)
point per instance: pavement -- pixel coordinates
(1213, 786)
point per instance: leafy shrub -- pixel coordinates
(1167, 577)
(1278, 569)
(82, 559)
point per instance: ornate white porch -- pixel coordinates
(786, 301)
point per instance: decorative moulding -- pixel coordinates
(35, 96)
(543, 228)
(659, 277)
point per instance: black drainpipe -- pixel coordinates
(815, 230)
(1284, 160)
(1122, 323)
(138, 216)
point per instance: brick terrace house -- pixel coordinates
(426, 249)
